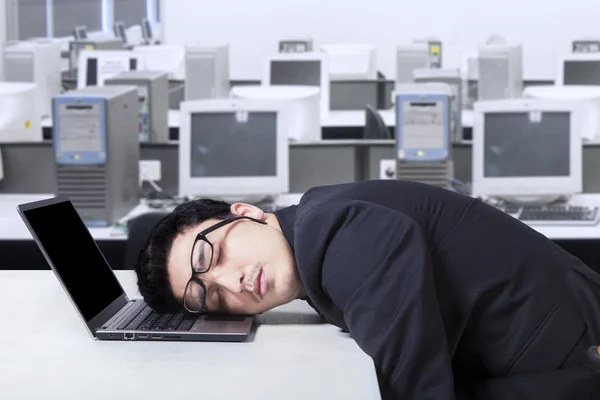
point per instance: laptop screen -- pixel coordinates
(76, 258)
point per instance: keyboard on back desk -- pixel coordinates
(554, 214)
(143, 318)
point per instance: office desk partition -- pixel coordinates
(49, 354)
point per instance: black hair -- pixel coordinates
(151, 266)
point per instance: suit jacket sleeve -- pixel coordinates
(377, 269)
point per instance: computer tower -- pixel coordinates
(206, 71)
(408, 58)
(500, 69)
(153, 96)
(423, 135)
(454, 80)
(97, 151)
(36, 61)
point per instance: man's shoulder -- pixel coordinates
(395, 194)
(316, 197)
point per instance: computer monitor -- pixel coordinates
(234, 149)
(588, 95)
(94, 66)
(500, 70)
(146, 30)
(299, 69)
(297, 45)
(19, 116)
(579, 69)
(305, 101)
(80, 32)
(164, 58)
(527, 149)
(586, 45)
(120, 31)
(351, 61)
(37, 61)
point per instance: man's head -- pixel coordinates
(252, 269)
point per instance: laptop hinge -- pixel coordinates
(108, 313)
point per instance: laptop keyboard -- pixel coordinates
(143, 318)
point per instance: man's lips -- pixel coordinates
(257, 282)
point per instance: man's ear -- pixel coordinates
(247, 210)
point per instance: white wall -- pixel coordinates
(253, 28)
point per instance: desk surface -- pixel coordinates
(52, 356)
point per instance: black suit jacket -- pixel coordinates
(451, 297)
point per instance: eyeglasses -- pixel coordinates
(201, 259)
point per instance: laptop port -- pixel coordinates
(156, 336)
(129, 336)
(142, 336)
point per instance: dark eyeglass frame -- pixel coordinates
(202, 236)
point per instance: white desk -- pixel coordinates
(48, 354)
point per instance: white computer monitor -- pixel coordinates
(578, 69)
(351, 61)
(95, 66)
(295, 45)
(527, 149)
(80, 32)
(234, 149)
(306, 102)
(588, 95)
(37, 61)
(19, 115)
(146, 30)
(119, 30)
(586, 45)
(299, 69)
(165, 58)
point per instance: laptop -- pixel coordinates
(99, 298)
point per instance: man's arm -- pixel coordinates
(377, 270)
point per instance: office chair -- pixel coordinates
(138, 232)
(375, 127)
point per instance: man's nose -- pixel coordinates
(230, 280)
